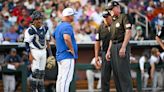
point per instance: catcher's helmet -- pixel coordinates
(37, 15)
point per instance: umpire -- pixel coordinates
(104, 35)
(120, 50)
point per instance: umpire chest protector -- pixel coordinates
(39, 39)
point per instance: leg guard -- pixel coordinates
(37, 81)
(40, 86)
(33, 85)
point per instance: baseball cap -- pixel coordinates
(138, 28)
(112, 5)
(105, 14)
(13, 50)
(68, 12)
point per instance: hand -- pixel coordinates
(108, 56)
(122, 52)
(16, 65)
(98, 63)
(72, 52)
(97, 67)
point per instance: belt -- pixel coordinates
(38, 48)
(117, 41)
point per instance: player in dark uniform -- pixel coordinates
(104, 35)
(159, 36)
(119, 50)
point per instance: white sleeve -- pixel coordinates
(141, 62)
(27, 37)
(162, 56)
(48, 35)
(153, 60)
(93, 61)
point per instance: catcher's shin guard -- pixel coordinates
(37, 81)
(33, 85)
(40, 86)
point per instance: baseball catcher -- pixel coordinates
(37, 40)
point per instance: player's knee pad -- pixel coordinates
(42, 74)
(38, 74)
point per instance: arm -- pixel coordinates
(97, 49)
(110, 45)
(48, 38)
(160, 42)
(53, 38)
(68, 42)
(28, 37)
(127, 37)
(108, 51)
(152, 70)
(141, 64)
(128, 33)
(125, 42)
(49, 49)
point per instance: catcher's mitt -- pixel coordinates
(51, 62)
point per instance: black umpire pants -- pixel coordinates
(121, 68)
(105, 73)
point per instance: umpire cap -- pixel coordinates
(105, 14)
(37, 15)
(112, 5)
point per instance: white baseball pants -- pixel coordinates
(40, 57)
(90, 78)
(65, 75)
(9, 83)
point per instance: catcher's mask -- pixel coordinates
(37, 15)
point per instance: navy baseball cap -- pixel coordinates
(112, 5)
(105, 14)
(13, 50)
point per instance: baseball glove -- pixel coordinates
(51, 62)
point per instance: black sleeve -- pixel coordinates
(161, 32)
(27, 46)
(19, 58)
(46, 27)
(126, 22)
(7, 59)
(98, 38)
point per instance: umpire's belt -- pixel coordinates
(117, 41)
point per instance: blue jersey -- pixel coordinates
(61, 47)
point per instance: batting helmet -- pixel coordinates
(37, 15)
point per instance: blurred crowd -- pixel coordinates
(15, 17)
(152, 77)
